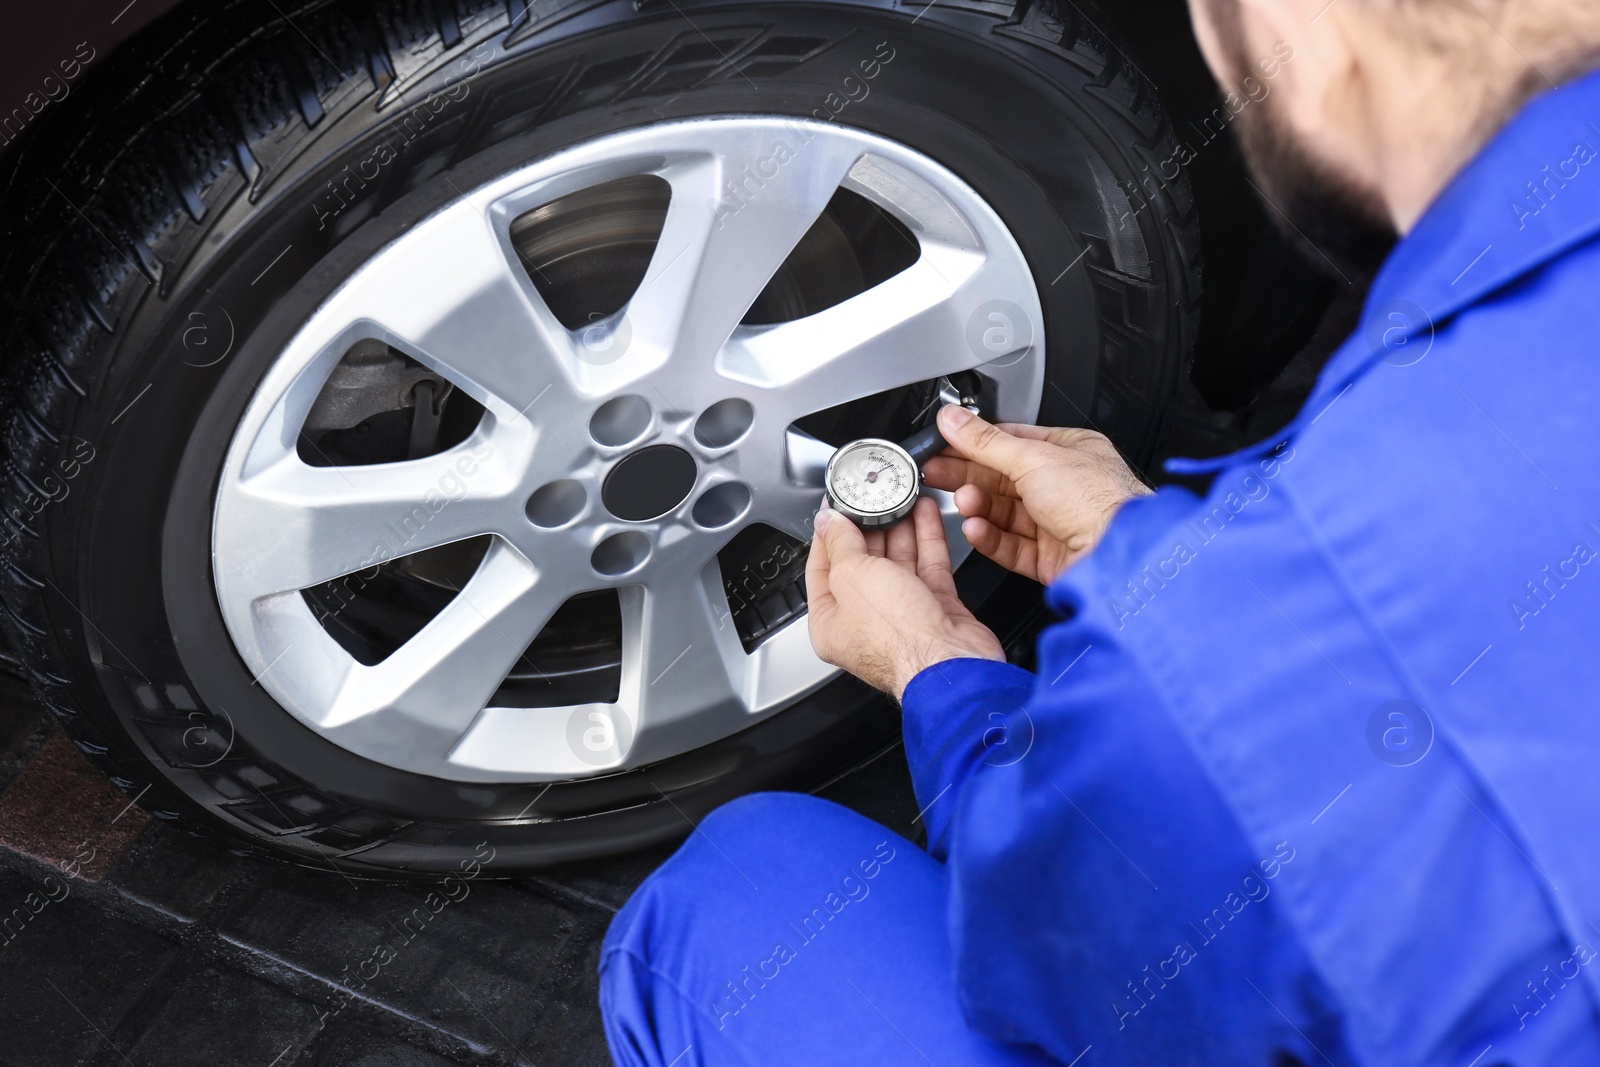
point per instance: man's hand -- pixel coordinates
(883, 604)
(1036, 499)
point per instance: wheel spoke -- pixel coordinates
(448, 294)
(788, 508)
(314, 524)
(805, 459)
(684, 669)
(734, 218)
(960, 547)
(438, 682)
(909, 328)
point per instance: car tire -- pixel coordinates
(193, 201)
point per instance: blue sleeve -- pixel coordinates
(1102, 891)
(956, 716)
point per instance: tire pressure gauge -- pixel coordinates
(876, 482)
(873, 481)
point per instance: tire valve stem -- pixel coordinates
(427, 413)
(928, 442)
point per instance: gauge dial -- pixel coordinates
(874, 482)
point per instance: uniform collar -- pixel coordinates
(1529, 196)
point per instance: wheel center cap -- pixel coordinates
(648, 483)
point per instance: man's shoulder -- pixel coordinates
(1527, 348)
(1415, 503)
(1460, 460)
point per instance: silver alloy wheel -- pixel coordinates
(562, 408)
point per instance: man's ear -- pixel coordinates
(1206, 34)
(1320, 81)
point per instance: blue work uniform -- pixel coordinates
(1310, 770)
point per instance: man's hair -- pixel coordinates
(1553, 41)
(1556, 40)
(1507, 51)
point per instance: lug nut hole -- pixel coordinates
(724, 422)
(620, 553)
(721, 504)
(556, 503)
(620, 420)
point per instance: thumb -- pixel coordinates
(838, 537)
(985, 443)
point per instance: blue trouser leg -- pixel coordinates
(788, 930)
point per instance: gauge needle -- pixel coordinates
(872, 476)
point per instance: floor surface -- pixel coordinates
(125, 942)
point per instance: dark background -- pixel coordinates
(40, 35)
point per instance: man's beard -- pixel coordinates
(1324, 213)
(1327, 214)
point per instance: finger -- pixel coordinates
(901, 541)
(837, 542)
(819, 594)
(945, 472)
(841, 539)
(1061, 436)
(950, 472)
(1017, 554)
(875, 541)
(972, 502)
(1030, 432)
(1006, 512)
(933, 551)
(983, 442)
